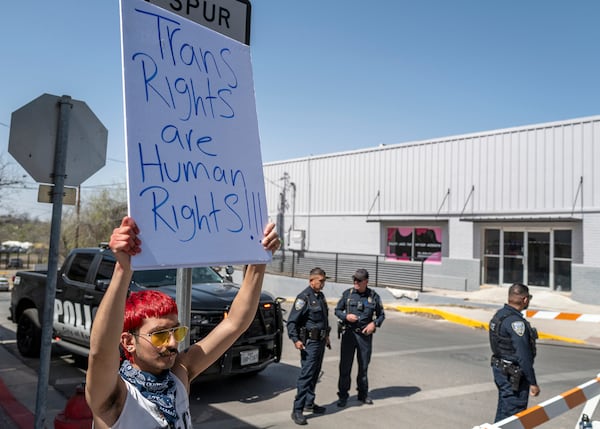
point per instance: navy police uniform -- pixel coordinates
(512, 340)
(368, 307)
(308, 322)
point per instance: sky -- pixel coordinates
(329, 75)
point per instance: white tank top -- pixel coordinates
(138, 412)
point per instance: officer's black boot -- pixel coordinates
(316, 409)
(298, 418)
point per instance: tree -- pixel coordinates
(97, 218)
(23, 228)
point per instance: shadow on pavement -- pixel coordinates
(375, 394)
(271, 382)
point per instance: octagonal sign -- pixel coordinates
(33, 134)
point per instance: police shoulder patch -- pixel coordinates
(299, 304)
(518, 327)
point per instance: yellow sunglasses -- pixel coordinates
(160, 338)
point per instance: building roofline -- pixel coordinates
(382, 147)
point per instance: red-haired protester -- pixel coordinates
(150, 389)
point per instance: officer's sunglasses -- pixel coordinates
(160, 338)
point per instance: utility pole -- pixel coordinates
(283, 205)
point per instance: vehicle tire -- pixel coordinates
(29, 334)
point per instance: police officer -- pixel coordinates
(308, 328)
(512, 340)
(360, 312)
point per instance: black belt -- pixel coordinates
(315, 334)
(501, 363)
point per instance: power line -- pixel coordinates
(111, 185)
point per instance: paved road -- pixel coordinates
(424, 372)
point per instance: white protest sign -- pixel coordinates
(194, 169)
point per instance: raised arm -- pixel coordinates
(104, 390)
(191, 362)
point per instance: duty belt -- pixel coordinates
(510, 369)
(315, 334)
(501, 363)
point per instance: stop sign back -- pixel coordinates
(33, 134)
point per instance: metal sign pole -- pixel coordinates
(60, 157)
(183, 297)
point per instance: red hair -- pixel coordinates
(143, 305)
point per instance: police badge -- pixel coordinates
(299, 304)
(518, 327)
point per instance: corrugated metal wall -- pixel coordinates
(534, 169)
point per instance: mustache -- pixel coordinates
(169, 351)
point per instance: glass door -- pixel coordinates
(538, 259)
(535, 258)
(491, 257)
(513, 257)
(562, 259)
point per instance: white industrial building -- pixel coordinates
(513, 205)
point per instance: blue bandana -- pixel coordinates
(158, 389)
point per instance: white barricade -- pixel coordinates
(588, 392)
(555, 315)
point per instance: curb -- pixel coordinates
(450, 317)
(17, 412)
(18, 398)
(461, 320)
(472, 323)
